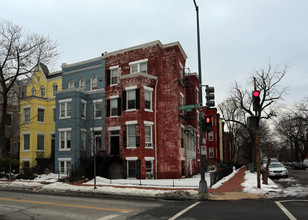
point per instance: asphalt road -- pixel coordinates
(296, 178)
(18, 205)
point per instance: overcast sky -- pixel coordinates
(237, 36)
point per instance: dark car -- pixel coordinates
(299, 166)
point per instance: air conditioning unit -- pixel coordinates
(149, 175)
(148, 144)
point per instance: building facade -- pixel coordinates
(37, 118)
(80, 115)
(147, 136)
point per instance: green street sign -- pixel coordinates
(188, 108)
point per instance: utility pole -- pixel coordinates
(202, 184)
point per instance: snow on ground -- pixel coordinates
(147, 187)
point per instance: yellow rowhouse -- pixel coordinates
(37, 119)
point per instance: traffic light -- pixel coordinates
(256, 100)
(207, 123)
(210, 96)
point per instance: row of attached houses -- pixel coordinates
(123, 109)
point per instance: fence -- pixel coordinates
(218, 175)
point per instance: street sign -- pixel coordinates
(188, 108)
(203, 150)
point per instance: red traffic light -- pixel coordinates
(256, 93)
(207, 119)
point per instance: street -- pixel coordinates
(17, 205)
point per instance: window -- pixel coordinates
(149, 169)
(82, 84)
(33, 92)
(83, 109)
(54, 114)
(113, 107)
(38, 79)
(65, 139)
(182, 103)
(181, 71)
(40, 115)
(131, 99)
(64, 166)
(148, 100)
(43, 92)
(71, 84)
(65, 108)
(113, 76)
(40, 142)
(54, 89)
(148, 136)
(138, 66)
(93, 83)
(97, 109)
(197, 95)
(132, 168)
(27, 114)
(211, 136)
(97, 140)
(83, 139)
(131, 135)
(211, 152)
(26, 146)
(182, 137)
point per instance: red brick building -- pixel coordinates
(147, 136)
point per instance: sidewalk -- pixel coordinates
(232, 189)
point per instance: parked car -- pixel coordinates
(277, 169)
(299, 166)
(273, 160)
(305, 162)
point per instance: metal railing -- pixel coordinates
(219, 174)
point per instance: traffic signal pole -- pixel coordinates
(257, 134)
(202, 183)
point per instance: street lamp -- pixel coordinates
(202, 183)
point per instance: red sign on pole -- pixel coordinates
(203, 150)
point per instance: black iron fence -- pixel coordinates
(219, 174)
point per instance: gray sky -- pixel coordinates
(237, 36)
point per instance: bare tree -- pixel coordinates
(20, 53)
(239, 106)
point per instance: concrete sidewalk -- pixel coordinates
(232, 189)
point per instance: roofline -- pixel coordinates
(108, 54)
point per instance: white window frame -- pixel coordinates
(71, 84)
(83, 140)
(211, 152)
(150, 91)
(127, 107)
(27, 118)
(93, 83)
(130, 159)
(66, 168)
(114, 73)
(137, 65)
(33, 92)
(149, 175)
(65, 132)
(83, 109)
(23, 141)
(40, 108)
(82, 84)
(95, 103)
(54, 89)
(211, 136)
(67, 112)
(148, 145)
(43, 92)
(37, 147)
(129, 124)
(93, 135)
(114, 100)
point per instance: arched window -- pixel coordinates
(33, 92)
(71, 84)
(54, 89)
(82, 84)
(93, 83)
(43, 92)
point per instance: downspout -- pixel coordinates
(155, 128)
